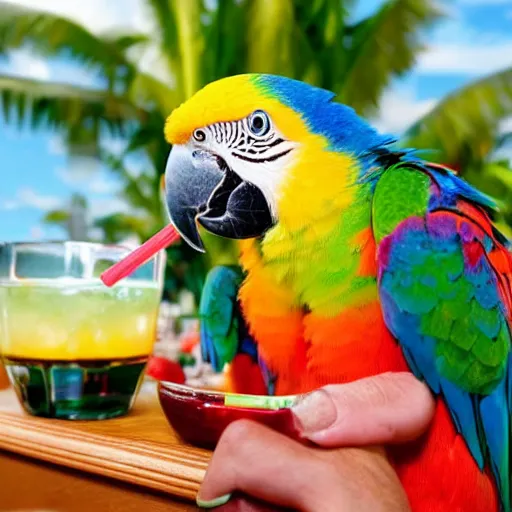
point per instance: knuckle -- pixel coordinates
(379, 390)
(410, 387)
(405, 391)
(236, 435)
(239, 430)
(394, 387)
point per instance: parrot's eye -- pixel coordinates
(259, 123)
(199, 135)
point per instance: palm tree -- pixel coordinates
(464, 127)
(309, 40)
(196, 43)
(465, 130)
(72, 218)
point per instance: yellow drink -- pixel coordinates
(74, 348)
(66, 319)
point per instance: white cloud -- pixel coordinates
(93, 182)
(71, 178)
(506, 125)
(100, 185)
(484, 3)
(150, 60)
(36, 233)
(469, 59)
(23, 63)
(456, 46)
(109, 17)
(399, 109)
(108, 206)
(98, 15)
(56, 145)
(29, 198)
(114, 145)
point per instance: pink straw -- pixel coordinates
(139, 256)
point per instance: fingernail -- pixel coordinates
(314, 412)
(216, 502)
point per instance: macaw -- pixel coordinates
(357, 258)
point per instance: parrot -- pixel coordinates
(357, 257)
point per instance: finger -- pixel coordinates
(260, 462)
(387, 408)
(247, 504)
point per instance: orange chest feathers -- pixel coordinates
(307, 350)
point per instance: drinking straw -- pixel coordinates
(165, 237)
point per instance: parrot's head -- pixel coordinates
(250, 151)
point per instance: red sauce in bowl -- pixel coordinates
(200, 416)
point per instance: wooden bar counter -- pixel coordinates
(131, 463)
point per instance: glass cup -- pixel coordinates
(72, 347)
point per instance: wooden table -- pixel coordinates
(131, 463)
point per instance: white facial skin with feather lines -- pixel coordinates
(252, 148)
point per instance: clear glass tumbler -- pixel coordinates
(73, 348)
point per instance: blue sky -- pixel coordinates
(474, 40)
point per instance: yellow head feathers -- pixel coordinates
(231, 99)
(313, 178)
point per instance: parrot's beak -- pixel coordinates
(201, 188)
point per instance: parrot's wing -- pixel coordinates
(445, 286)
(220, 316)
(225, 334)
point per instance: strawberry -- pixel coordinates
(160, 368)
(189, 342)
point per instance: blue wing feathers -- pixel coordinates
(441, 299)
(220, 316)
(465, 417)
(496, 427)
(417, 348)
(223, 331)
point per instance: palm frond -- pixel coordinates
(165, 28)
(117, 226)
(503, 140)
(270, 30)
(463, 126)
(138, 191)
(383, 46)
(153, 94)
(124, 42)
(49, 34)
(190, 42)
(64, 106)
(225, 56)
(57, 217)
(319, 32)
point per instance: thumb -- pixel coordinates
(386, 408)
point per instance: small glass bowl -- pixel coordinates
(200, 416)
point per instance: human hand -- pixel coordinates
(263, 464)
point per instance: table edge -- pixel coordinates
(174, 470)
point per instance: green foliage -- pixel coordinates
(48, 34)
(63, 106)
(118, 226)
(383, 46)
(56, 217)
(463, 127)
(494, 178)
(463, 132)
